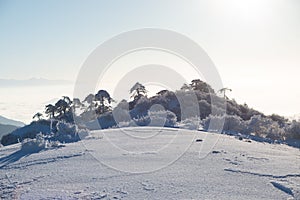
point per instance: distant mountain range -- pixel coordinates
(8, 125)
(6, 121)
(31, 82)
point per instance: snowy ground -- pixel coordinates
(148, 165)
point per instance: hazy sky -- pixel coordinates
(255, 44)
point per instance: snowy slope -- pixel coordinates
(108, 165)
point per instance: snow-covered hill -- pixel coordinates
(152, 163)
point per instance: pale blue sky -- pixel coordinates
(255, 44)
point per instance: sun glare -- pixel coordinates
(249, 10)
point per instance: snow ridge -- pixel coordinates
(263, 175)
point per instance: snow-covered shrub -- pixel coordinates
(29, 131)
(275, 132)
(188, 104)
(142, 121)
(257, 125)
(232, 108)
(141, 108)
(228, 123)
(264, 127)
(66, 133)
(39, 143)
(217, 110)
(279, 119)
(130, 123)
(217, 124)
(170, 102)
(54, 144)
(121, 115)
(234, 123)
(192, 123)
(293, 130)
(83, 133)
(34, 145)
(205, 109)
(157, 118)
(162, 118)
(106, 121)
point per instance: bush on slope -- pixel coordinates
(29, 131)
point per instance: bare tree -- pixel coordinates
(223, 90)
(37, 116)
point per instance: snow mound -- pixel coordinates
(34, 145)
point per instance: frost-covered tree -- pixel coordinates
(76, 104)
(137, 91)
(141, 108)
(199, 85)
(67, 99)
(61, 106)
(293, 130)
(90, 101)
(66, 132)
(265, 127)
(228, 123)
(104, 100)
(162, 92)
(279, 119)
(185, 87)
(205, 109)
(121, 112)
(50, 111)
